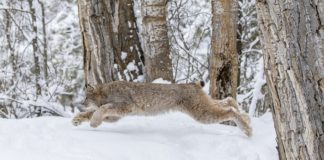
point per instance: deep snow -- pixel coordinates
(173, 136)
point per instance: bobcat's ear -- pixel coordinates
(200, 83)
(89, 88)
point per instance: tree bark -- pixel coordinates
(156, 41)
(36, 68)
(45, 59)
(292, 35)
(108, 31)
(96, 28)
(128, 43)
(223, 62)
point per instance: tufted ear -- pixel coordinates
(89, 88)
(200, 83)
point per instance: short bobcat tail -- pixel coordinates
(200, 83)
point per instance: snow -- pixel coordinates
(131, 67)
(161, 81)
(206, 87)
(257, 89)
(123, 55)
(172, 136)
(140, 78)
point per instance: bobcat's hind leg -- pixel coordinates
(82, 117)
(228, 102)
(218, 115)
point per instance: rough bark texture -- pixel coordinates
(127, 42)
(292, 35)
(108, 29)
(155, 40)
(96, 28)
(223, 63)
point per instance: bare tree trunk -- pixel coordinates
(97, 34)
(223, 63)
(156, 41)
(36, 69)
(293, 39)
(44, 43)
(128, 47)
(109, 37)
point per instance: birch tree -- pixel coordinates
(223, 62)
(292, 35)
(155, 40)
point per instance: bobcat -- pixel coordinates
(112, 101)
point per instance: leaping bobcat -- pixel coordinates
(112, 101)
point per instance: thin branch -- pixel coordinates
(14, 9)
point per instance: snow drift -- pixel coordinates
(173, 136)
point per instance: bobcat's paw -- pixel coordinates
(76, 121)
(246, 118)
(248, 131)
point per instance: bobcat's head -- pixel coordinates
(93, 96)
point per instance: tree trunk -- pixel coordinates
(223, 63)
(45, 59)
(292, 35)
(129, 51)
(96, 28)
(110, 41)
(156, 41)
(36, 68)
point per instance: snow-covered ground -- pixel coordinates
(173, 136)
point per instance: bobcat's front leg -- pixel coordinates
(82, 117)
(111, 112)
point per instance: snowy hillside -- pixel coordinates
(173, 136)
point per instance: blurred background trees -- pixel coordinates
(42, 60)
(190, 35)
